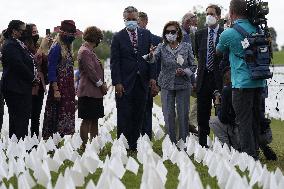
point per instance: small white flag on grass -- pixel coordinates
(76, 176)
(124, 140)
(91, 164)
(117, 167)
(22, 182)
(91, 185)
(79, 166)
(116, 183)
(132, 165)
(162, 171)
(50, 144)
(278, 175)
(42, 174)
(213, 166)
(199, 153)
(53, 165)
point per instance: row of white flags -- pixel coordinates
(33, 166)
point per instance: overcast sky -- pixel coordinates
(107, 14)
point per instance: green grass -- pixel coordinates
(278, 58)
(277, 145)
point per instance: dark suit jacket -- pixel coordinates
(156, 40)
(18, 68)
(201, 37)
(126, 64)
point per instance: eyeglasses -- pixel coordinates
(171, 32)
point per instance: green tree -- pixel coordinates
(273, 34)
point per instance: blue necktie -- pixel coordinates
(211, 51)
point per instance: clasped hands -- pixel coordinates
(119, 89)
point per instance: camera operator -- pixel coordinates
(224, 126)
(246, 93)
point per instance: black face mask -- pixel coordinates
(35, 38)
(68, 39)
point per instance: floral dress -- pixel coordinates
(59, 116)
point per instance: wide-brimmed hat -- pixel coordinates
(68, 27)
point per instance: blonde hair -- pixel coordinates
(44, 47)
(64, 47)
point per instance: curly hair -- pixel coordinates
(93, 34)
(178, 28)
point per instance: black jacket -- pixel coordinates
(226, 113)
(201, 38)
(18, 68)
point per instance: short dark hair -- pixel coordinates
(92, 34)
(129, 9)
(142, 15)
(216, 7)
(13, 25)
(238, 7)
(179, 32)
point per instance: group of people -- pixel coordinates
(142, 65)
(140, 69)
(29, 68)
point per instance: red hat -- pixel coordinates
(68, 27)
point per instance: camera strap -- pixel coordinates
(243, 32)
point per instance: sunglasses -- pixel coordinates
(171, 32)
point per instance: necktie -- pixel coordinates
(134, 40)
(211, 51)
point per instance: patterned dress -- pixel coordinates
(60, 116)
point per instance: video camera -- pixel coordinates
(256, 12)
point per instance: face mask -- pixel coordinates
(193, 29)
(35, 38)
(171, 37)
(210, 20)
(131, 25)
(68, 39)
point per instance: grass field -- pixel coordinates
(133, 181)
(278, 58)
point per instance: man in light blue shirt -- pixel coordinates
(246, 93)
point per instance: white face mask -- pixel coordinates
(210, 20)
(171, 37)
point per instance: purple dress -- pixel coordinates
(60, 116)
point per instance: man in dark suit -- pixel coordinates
(208, 75)
(131, 75)
(147, 122)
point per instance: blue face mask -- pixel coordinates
(131, 25)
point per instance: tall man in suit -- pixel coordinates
(147, 121)
(208, 75)
(131, 75)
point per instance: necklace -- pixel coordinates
(174, 48)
